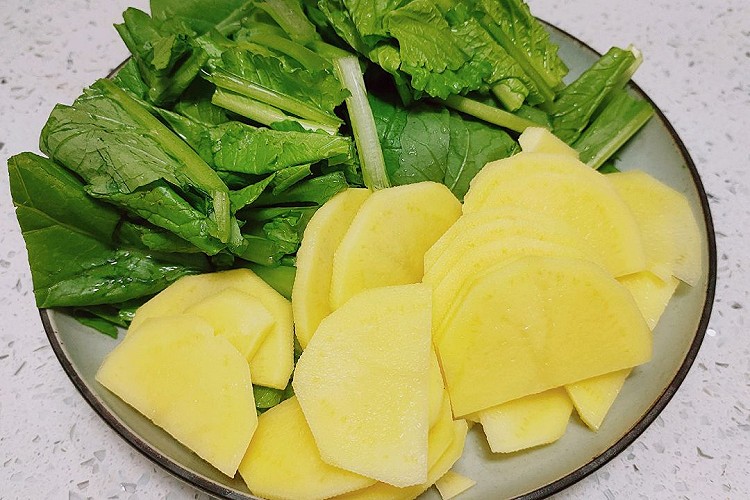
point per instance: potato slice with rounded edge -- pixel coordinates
(312, 284)
(283, 462)
(363, 384)
(442, 464)
(448, 292)
(239, 317)
(495, 174)
(453, 484)
(176, 372)
(272, 364)
(567, 190)
(671, 237)
(492, 226)
(527, 422)
(387, 240)
(651, 293)
(541, 140)
(594, 397)
(536, 324)
(469, 222)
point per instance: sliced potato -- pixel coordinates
(565, 190)
(363, 384)
(436, 390)
(594, 397)
(273, 362)
(312, 283)
(453, 484)
(387, 240)
(176, 372)
(448, 292)
(496, 226)
(283, 462)
(541, 140)
(671, 237)
(651, 293)
(440, 463)
(536, 324)
(238, 316)
(527, 422)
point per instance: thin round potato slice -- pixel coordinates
(364, 384)
(312, 283)
(283, 460)
(535, 324)
(565, 190)
(670, 232)
(387, 240)
(176, 372)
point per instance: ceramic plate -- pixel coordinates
(535, 473)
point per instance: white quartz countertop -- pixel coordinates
(696, 69)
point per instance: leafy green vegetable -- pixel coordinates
(620, 119)
(216, 143)
(293, 89)
(122, 152)
(512, 25)
(70, 238)
(576, 103)
(201, 15)
(428, 142)
(167, 60)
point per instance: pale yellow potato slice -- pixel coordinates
(273, 362)
(440, 463)
(238, 316)
(527, 422)
(565, 190)
(494, 175)
(470, 222)
(594, 397)
(651, 293)
(283, 461)
(176, 372)
(312, 284)
(363, 383)
(436, 389)
(495, 226)
(535, 324)
(449, 291)
(671, 237)
(541, 140)
(387, 240)
(453, 484)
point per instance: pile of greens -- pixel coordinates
(229, 126)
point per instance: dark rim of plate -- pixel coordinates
(628, 438)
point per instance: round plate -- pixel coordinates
(533, 473)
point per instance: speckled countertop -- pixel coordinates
(697, 69)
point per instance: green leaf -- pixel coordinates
(282, 83)
(430, 143)
(621, 118)
(69, 238)
(526, 40)
(315, 191)
(577, 103)
(163, 51)
(118, 148)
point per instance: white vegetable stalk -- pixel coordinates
(363, 124)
